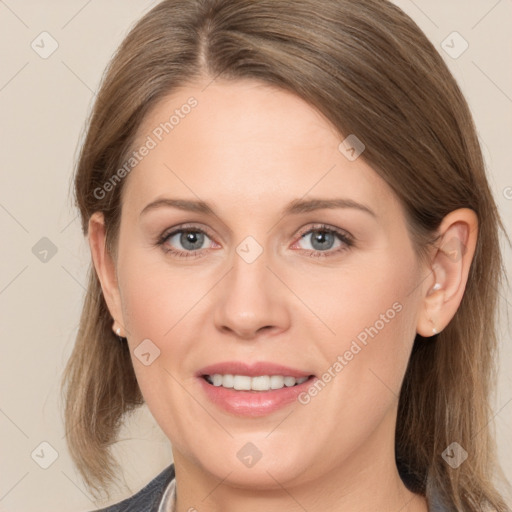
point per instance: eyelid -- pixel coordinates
(325, 227)
(185, 227)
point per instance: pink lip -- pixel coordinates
(252, 370)
(252, 403)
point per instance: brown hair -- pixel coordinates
(369, 69)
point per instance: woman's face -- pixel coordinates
(265, 284)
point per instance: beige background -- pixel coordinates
(44, 103)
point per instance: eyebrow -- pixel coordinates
(295, 207)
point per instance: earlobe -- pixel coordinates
(449, 267)
(105, 269)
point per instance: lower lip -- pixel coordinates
(253, 403)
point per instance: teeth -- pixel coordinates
(259, 383)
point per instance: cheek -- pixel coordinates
(161, 304)
(156, 296)
(363, 304)
(365, 361)
(372, 313)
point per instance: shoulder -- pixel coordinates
(148, 498)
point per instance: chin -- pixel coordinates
(268, 472)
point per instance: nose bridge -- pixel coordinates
(250, 264)
(249, 297)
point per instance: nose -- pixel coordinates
(251, 301)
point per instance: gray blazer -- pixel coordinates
(149, 498)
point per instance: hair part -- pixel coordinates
(370, 70)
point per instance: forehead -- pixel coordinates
(245, 143)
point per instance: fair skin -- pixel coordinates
(248, 150)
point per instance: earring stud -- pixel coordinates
(117, 331)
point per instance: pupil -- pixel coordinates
(322, 237)
(195, 239)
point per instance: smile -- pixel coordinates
(257, 383)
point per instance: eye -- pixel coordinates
(191, 239)
(321, 239)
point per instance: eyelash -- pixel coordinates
(343, 236)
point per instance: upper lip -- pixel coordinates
(251, 370)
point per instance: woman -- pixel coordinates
(295, 263)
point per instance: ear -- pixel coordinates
(450, 264)
(106, 270)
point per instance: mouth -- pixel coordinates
(257, 383)
(252, 390)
